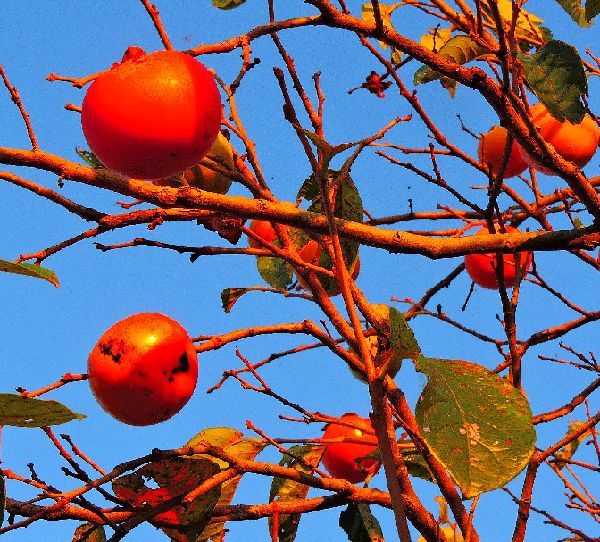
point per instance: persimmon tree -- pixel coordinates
(472, 429)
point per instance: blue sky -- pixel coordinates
(47, 332)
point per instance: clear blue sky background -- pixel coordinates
(46, 332)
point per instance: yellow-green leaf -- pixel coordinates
(386, 11)
(88, 532)
(233, 442)
(227, 4)
(460, 49)
(30, 270)
(435, 38)
(19, 411)
(288, 490)
(229, 297)
(567, 452)
(475, 423)
(576, 11)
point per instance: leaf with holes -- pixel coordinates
(30, 270)
(88, 532)
(576, 11)
(360, 524)
(309, 190)
(305, 460)
(459, 49)
(557, 76)
(234, 443)
(475, 423)
(227, 4)
(19, 411)
(175, 478)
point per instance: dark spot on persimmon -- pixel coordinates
(183, 365)
(115, 351)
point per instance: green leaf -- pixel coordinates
(89, 158)
(459, 49)
(276, 271)
(348, 206)
(592, 8)
(2, 499)
(227, 4)
(402, 337)
(416, 465)
(309, 190)
(19, 411)
(30, 270)
(475, 423)
(575, 11)
(577, 223)
(88, 532)
(557, 77)
(175, 478)
(360, 524)
(288, 490)
(229, 297)
(233, 442)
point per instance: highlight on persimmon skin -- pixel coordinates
(144, 369)
(576, 143)
(491, 151)
(482, 267)
(153, 115)
(345, 459)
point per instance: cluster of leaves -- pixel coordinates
(553, 69)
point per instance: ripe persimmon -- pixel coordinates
(576, 143)
(482, 267)
(144, 369)
(264, 230)
(310, 252)
(152, 115)
(348, 459)
(491, 152)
